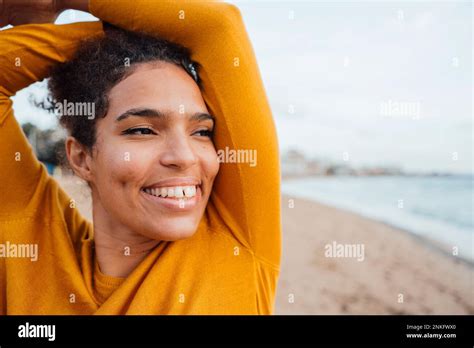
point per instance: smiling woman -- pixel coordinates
(152, 131)
(174, 231)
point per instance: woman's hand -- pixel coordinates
(16, 12)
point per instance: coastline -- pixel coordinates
(436, 245)
(429, 279)
(444, 226)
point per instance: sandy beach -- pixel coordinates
(395, 263)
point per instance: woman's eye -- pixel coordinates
(204, 133)
(139, 131)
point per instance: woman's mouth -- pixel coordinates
(178, 198)
(172, 192)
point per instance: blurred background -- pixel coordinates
(373, 107)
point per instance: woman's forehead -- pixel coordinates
(165, 87)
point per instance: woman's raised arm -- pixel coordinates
(27, 54)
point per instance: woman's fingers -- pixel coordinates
(17, 12)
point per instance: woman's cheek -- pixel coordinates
(128, 165)
(211, 164)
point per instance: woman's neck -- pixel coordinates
(118, 250)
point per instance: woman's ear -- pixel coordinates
(79, 158)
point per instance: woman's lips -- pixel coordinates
(182, 204)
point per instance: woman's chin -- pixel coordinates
(171, 231)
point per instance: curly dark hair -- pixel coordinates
(102, 62)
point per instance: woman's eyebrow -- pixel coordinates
(202, 116)
(141, 112)
(147, 112)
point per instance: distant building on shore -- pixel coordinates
(294, 163)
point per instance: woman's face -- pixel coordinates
(154, 161)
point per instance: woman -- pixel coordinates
(173, 232)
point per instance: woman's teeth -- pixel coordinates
(172, 192)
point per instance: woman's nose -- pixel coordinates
(178, 152)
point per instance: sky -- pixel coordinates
(361, 83)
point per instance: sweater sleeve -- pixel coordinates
(27, 55)
(246, 194)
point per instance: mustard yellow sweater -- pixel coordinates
(231, 264)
